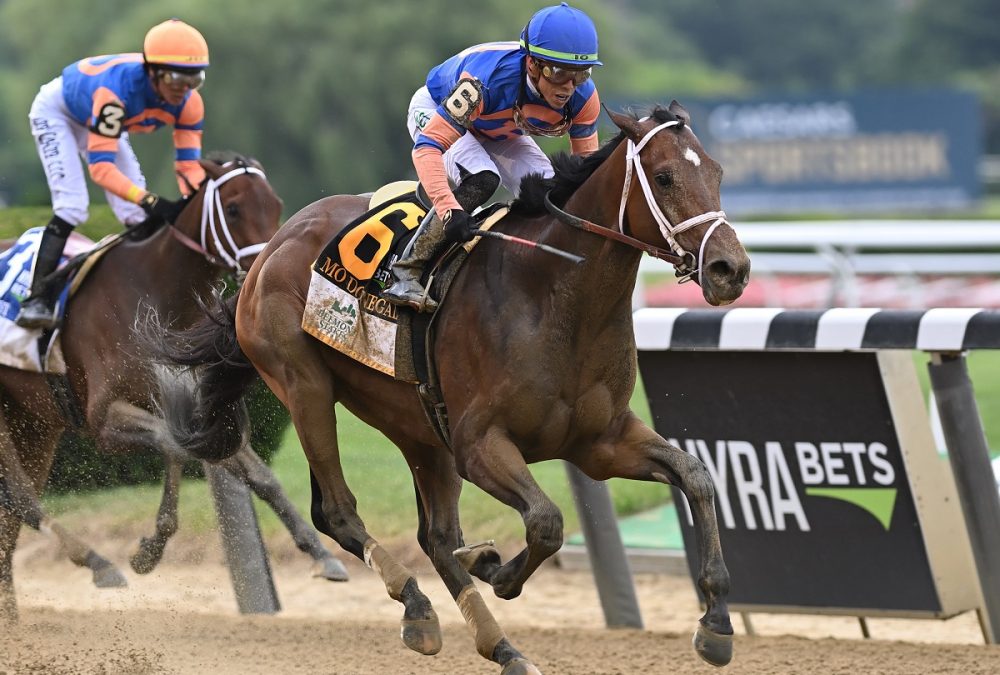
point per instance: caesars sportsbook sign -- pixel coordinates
(864, 151)
(813, 500)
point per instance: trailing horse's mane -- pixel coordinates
(221, 157)
(571, 171)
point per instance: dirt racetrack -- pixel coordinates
(182, 619)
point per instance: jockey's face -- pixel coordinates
(555, 83)
(172, 85)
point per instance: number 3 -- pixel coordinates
(109, 120)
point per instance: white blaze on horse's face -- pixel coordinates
(692, 156)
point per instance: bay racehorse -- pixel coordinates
(536, 360)
(111, 380)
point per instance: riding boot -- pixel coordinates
(408, 290)
(38, 310)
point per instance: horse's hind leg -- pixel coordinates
(639, 453)
(10, 527)
(20, 497)
(495, 464)
(438, 488)
(254, 472)
(295, 372)
(151, 548)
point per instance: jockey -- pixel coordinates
(473, 120)
(90, 110)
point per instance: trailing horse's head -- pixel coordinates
(671, 195)
(239, 212)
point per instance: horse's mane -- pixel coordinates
(570, 172)
(222, 157)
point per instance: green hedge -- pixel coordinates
(78, 464)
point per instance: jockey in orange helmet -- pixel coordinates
(91, 109)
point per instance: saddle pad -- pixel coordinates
(22, 348)
(344, 308)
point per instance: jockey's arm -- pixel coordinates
(440, 134)
(187, 144)
(106, 127)
(583, 132)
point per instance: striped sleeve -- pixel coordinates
(583, 132)
(106, 126)
(187, 143)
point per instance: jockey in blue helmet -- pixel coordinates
(473, 120)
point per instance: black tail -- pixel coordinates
(206, 376)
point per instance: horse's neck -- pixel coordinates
(165, 272)
(607, 277)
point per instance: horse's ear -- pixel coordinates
(626, 123)
(679, 112)
(211, 168)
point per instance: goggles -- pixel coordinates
(558, 75)
(175, 78)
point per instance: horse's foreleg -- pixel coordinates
(496, 466)
(635, 451)
(127, 427)
(438, 489)
(150, 550)
(250, 468)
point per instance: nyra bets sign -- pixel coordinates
(813, 500)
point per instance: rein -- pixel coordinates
(684, 261)
(588, 226)
(213, 222)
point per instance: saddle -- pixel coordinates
(344, 308)
(33, 349)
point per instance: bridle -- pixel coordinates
(687, 265)
(669, 231)
(213, 223)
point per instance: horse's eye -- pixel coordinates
(664, 179)
(232, 211)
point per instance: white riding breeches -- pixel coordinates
(62, 147)
(512, 159)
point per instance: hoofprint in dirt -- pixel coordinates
(183, 619)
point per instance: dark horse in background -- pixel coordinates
(536, 360)
(112, 381)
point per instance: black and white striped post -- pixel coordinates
(946, 334)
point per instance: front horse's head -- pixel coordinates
(233, 215)
(671, 193)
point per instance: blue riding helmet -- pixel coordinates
(562, 34)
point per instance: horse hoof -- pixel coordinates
(331, 569)
(144, 561)
(109, 577)
(520, 666)
(712, 647)
(422, 635)
(141, 563)
(477, 556)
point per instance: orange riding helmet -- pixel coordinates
(176, 44)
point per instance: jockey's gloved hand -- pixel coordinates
(164, 208)
(458, 226)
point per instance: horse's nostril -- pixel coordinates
(720, 269)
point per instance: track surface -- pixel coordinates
(182, 619)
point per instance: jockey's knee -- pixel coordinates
(71, 216)
(476, 189)
(60, 227)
